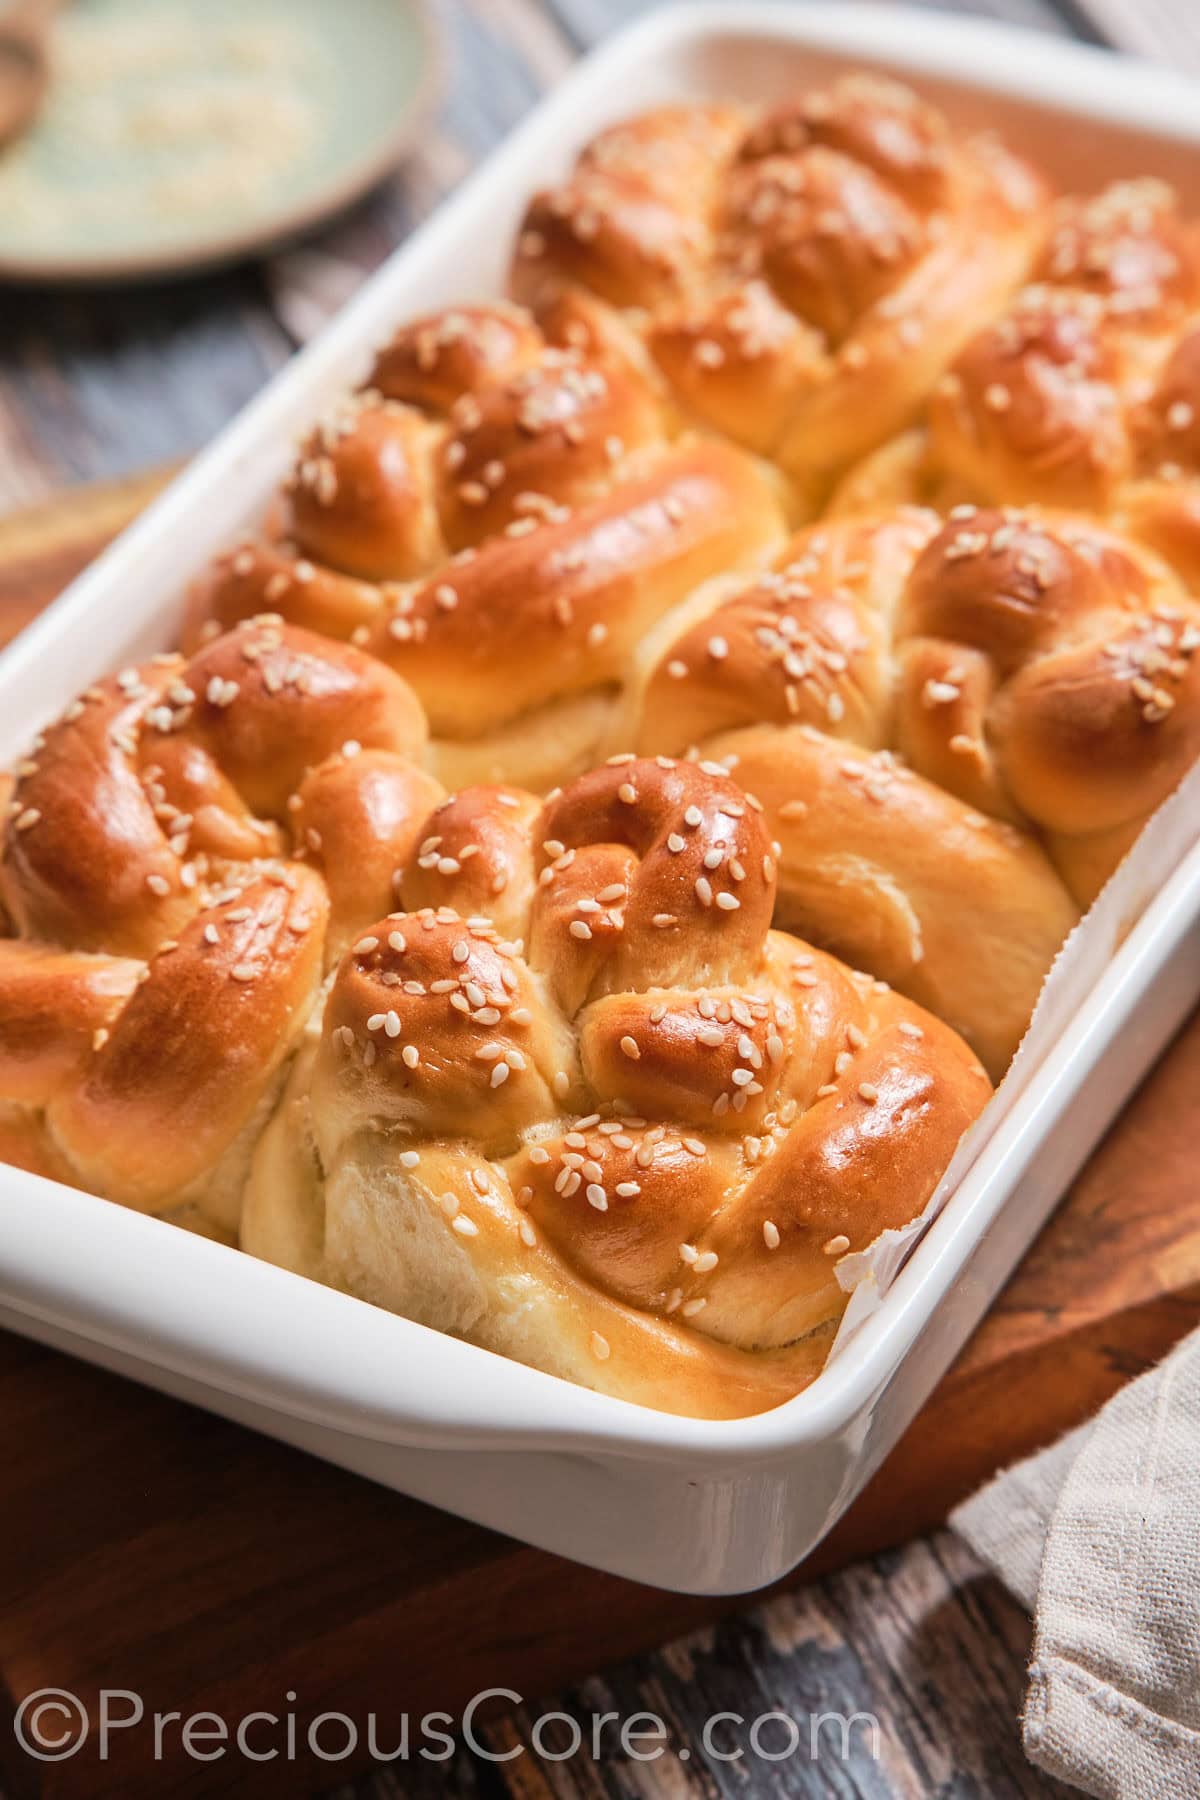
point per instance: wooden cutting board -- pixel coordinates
(149, 1547)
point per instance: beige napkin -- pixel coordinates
(1100, 1536)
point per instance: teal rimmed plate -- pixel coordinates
(179, 134)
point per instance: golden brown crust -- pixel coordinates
(801, 276)
(632, 1150)
(557, 607)
(195, 1049)
(1084, 392)
(53, 1004)
(433, 361)
(169, 939)
(361, 496)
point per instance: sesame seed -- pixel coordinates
(578, 928)
(363, 947)
(243, 971)
(627, 792)
(705, 1262)
(770, 1234)
(693, 817)
(600, 1347)
(836, 1245)
(690, 1308)
(465, 1227)
(675, 843)
(728, 902)
(460, 952)
(596, 1196)
(868, 1091)
(628, 1189)
(629, 1048)
(500, 1073)
(157, 884)
(410, 1055)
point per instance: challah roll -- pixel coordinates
(1083, 393)
(627, 1137)
(500, 520)
(799, 276)
(183, 854)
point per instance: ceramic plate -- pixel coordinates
(180, 133)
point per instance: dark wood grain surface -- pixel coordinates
(101, 386)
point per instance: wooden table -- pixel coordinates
(95, 387)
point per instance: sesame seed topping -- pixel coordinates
(465, 1227)
(630, 1049)
(728, 902)
(836, 1246)
(600, 1347)
(770, 1233)
(868, 1092)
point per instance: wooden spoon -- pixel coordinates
(24, 64)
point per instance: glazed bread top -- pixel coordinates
(1085, 391)
(579, 1102)
(798, 276)
(184, 851)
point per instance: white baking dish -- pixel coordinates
(709, 1507)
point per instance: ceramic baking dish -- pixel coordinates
(707, 1507)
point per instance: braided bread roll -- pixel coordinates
(183, 853)
(581, 1105)
(799, 277)
(501, 520)
(957, 731)
(1084, 393)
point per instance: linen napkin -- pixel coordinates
(1100, 1537)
